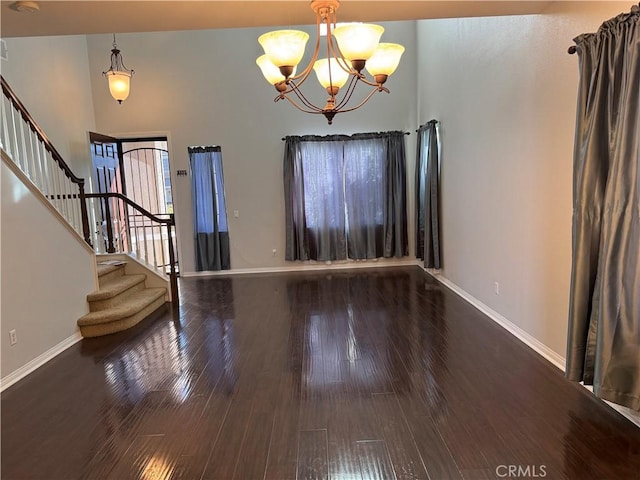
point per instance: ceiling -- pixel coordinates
(76, 17)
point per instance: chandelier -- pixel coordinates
(350, 48)
(118, 75)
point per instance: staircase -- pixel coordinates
(121, 302)
(148, 239)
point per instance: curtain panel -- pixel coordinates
(428, 195)
(211, 234)
(345, 196)
(604, 310)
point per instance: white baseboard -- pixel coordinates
(37, 362)
(528, 339)
(553, 357)
(310, 267)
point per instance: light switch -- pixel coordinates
(236, 213)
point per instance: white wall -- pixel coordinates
(504, 90)
(50, 75)
(46, 274)
(203, 88)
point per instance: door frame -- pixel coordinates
(177, 204)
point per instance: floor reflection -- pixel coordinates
(345, 333)
(353, 374)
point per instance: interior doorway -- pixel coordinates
(138, 168)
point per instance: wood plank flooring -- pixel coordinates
(350, 375)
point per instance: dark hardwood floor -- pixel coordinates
(367, 374)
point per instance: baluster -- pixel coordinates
(42, 155)
(133, 231)
(37, 175)
(27, 162)
(162, 250)
(118, 203)
(4, 134)
(77, 217)
(51, 186)
(73, 199)
(95, 225)
(90, 212)
(59, 188)
(144, 236)
(15, 155)
(107, 215)
(65, 196)
(153, 246)
(55, 180)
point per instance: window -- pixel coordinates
(337, 189)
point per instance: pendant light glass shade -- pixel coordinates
(337, 77)
(118, 76)
(270, 71)
(119, 84)
(385, 60)
(284, 48)
(358, 41)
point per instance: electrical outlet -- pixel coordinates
(13, 338)
(496, 288)
(274, 251)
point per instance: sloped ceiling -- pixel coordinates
(87, 17)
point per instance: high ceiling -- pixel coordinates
(86, 17)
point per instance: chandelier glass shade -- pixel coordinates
(118, 76)
(349, 49)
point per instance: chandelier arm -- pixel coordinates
(364, 79)
(366, 99)
(295, 104)
(298, 92)
(353, 82)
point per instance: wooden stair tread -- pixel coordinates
(116, 286)
(130, 306)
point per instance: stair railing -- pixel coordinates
(119, 224)
(32, 151)
(123, 226)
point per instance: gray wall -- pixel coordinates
(203, 88)
(504, 89)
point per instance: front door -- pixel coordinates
(108, 216)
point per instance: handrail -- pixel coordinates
(29, 148)
(131, 203)
(68, 212)
(9, 93)
(125, 244)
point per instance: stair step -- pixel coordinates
(108, 267)
(134, 309)
(115, 286)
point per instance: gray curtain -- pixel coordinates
(428, 195)
(604, 312)
(345, 196)
(211, 234)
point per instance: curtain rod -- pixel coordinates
(428, 123)
(635, 10)
(406, 133)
